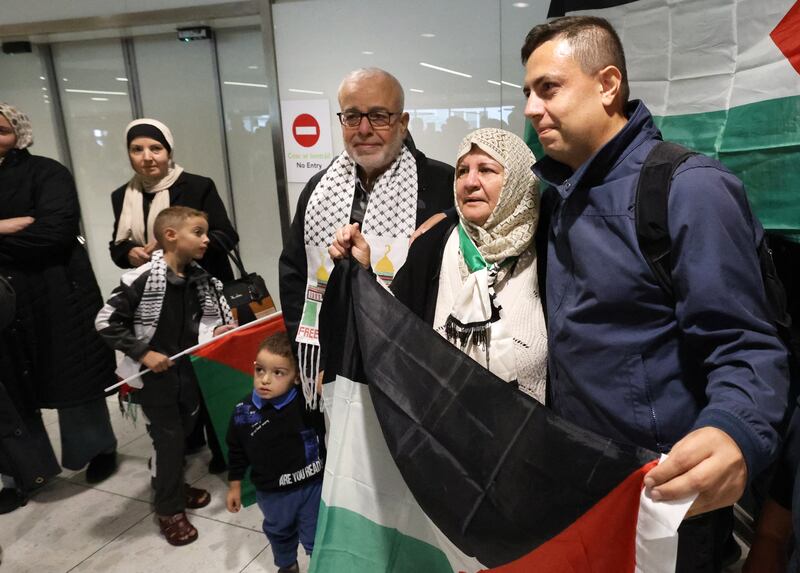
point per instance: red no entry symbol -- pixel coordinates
(305, 129)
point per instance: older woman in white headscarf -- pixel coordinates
(473, 276)
(50, 356)
(157, 183)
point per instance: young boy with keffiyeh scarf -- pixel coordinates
(160, 309)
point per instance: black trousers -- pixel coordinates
(203, 433)
(701, 541)
(168, 426)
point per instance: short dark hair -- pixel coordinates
(279, 344)
(594, 42)
(173, 217)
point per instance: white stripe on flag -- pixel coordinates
(361, 475)
(657, 532)
(696, 56)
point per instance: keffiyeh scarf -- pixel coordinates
(389, 221)
(215, 311)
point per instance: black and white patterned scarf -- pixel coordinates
(215, 310)
(389, 221)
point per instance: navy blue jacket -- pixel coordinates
(280, 440)
(626, 360)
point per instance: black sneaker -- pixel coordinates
(293, 568)
(101, 467)
(11, 499)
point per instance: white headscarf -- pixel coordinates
(19, 123)
(131, 224)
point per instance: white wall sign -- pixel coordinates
(306, 137)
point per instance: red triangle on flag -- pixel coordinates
(238, 350)
(602, 539)
(786, 36)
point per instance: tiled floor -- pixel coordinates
(110, 527)
(70, 526)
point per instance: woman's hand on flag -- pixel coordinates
(706, 462)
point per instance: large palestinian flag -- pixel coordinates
(721, 77)
(435, 465)
(224, 370)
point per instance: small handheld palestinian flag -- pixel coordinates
(437, 465)
(224, 370)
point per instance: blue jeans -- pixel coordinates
(290, 516)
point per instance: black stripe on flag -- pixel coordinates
(496, 471)
(563, 7)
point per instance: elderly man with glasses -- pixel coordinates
(380, 181)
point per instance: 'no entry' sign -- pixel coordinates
(307, 142)
(305, 129)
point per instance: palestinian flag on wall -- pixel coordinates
(721, 77)
(224, 370)
(436, 465)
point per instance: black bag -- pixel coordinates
(249, 288)
(248, 295)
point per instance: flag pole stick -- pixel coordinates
(197, 347)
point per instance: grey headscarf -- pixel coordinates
(19, 123)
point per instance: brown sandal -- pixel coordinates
(177, 529)
(196, 497)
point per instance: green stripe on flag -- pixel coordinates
(347, 542)
(223, 387)
(759, 142)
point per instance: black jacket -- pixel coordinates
(52, 354)
(177, 329)
(284, 448)
(435, 180)
(416, 284)
(198, 193)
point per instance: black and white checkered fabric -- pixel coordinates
(392, 207)
(391, 213)
(145, 318)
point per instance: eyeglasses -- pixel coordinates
(377, 119)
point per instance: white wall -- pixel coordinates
(26, 11)
(319, 41)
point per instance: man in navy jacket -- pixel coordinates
(701, 375)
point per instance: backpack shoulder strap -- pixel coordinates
(652, 195)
